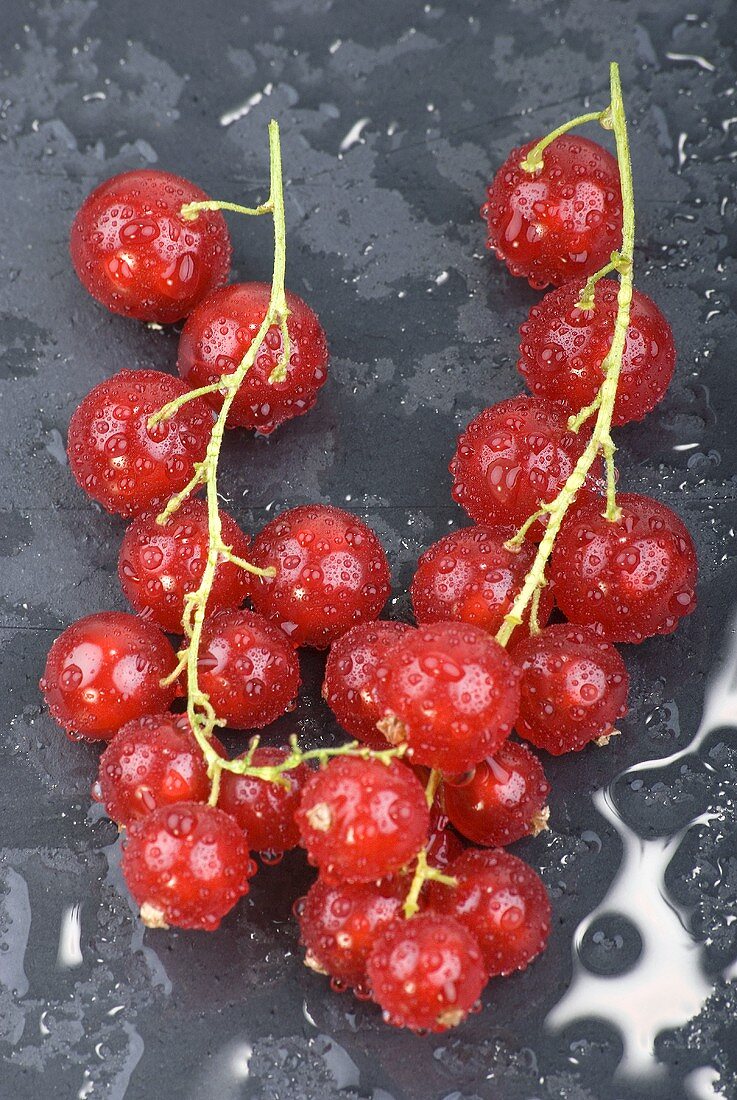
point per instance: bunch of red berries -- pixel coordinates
(401, 910)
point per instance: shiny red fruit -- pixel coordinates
(361, 820)
(151, 762)
(512, 458)
(503, 904)
(217, 336)
(505, 799)
(573, 688)
(158, 565)
(631, 579)
(426, 973)
(135, 253)
(105, 670)
(469, 576)
(121, 462)
(339, 923)
(186, 865)
(561, 222)
(265, 810)
(332, 573)
(443, 845)
(451, 692)
(247, 668)
(350, 677)
(563, 347)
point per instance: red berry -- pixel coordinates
(159, 565)
(561, 222)
(443, 845)
(217, 336)
(332, 573)
(573, 688)
(361, 820)
(105, 670)
(469, 576)
(632, 579)
(505, 799)
(151, 762)
(350, 677)
(426, 973)
(451, 692)
(247, 668)
(339, 923)
(503, 904)
(186, 865)
(121, 462)
(265, 810)
(135, 253)
(512, 458)
(563, 348)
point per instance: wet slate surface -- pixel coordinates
(385, 242)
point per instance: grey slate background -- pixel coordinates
(385, 242)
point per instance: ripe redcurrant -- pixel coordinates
(118, 459)
(135, 253)
(561, 222)
(633, 578)
(470, 576)
(217, 336)
(503, 801)
(105, 670)
(350, 677)
(331, 573)
(247, 668)
(361, 820)
(451, 692)
(563, 348)
(186, 865)
(512, 458)
(573, 688)
(265, 810)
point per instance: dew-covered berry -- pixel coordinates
(451, 692)
(247, 668)
(331, 573)
(105, 670)
(135, 253)
(573, 688)
(631, 579)
(561, 222)
(118, 459)
(186, 866)
(217, 337)
(361, 820)
(503, 904)
(265, 810)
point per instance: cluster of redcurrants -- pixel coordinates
(446, 692)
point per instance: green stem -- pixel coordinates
(190, 210)
(533, 162)
(586, 297)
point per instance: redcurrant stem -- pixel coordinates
(190, 210)
(423, 873)
(533, 162)
(517, 541)
(601, 441)
(576, 422)
(586, 297)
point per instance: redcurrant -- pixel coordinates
(332, 573)
(247, 668)
(350, 677)
(105, 670)
(573, 688)
(135, 253)
(503, 904)
(443, 845)
(361, 820)
(451, 692)
(512, 458)
(561, 222)
(470, 576)
(217, 336)
(426, 973)
(160, 564)
(265, 810)
(503, 801)
(118, 459)
(632, 578)
(186, 865)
